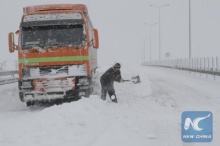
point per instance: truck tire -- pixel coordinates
(21, 95)
(88, 92)
(29, 103)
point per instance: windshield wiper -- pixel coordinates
(53, 45)
(30, 46)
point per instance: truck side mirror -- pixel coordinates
(17, 32)
(11, 42)
(95, 39)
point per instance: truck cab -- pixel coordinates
(57, 53)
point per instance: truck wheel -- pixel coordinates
(29, 103)
(21, 95)
(89, 92)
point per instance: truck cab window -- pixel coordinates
(52, 36)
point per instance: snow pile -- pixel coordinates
(148, 113)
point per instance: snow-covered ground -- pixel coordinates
(147, 114)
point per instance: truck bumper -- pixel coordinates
(47, 96)
(46, 90)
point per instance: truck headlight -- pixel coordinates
(26, 72)
(26, 84)
(83, 81)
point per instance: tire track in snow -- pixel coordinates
(168, 85)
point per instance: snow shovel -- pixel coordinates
(135, 79)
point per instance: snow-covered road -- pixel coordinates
(148, 113)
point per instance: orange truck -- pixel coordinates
(57, 53)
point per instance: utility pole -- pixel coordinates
(159, 27)
(190, 55)
(150, 36)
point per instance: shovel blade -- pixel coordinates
(136, 79)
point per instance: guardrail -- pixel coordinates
(5, 73)
(4, 79)
(208, 65)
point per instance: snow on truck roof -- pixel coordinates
(50, 8)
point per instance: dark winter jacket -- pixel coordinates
(110, 76)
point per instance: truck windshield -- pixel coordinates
(52, 36)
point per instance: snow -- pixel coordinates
(148, 113)
(43, 17)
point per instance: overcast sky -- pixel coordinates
(122, 30)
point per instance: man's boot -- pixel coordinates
(114, 99)
(103, 95)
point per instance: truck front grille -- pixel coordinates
(53, 70)
(56, 71)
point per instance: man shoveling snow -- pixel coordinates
(107, 81)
